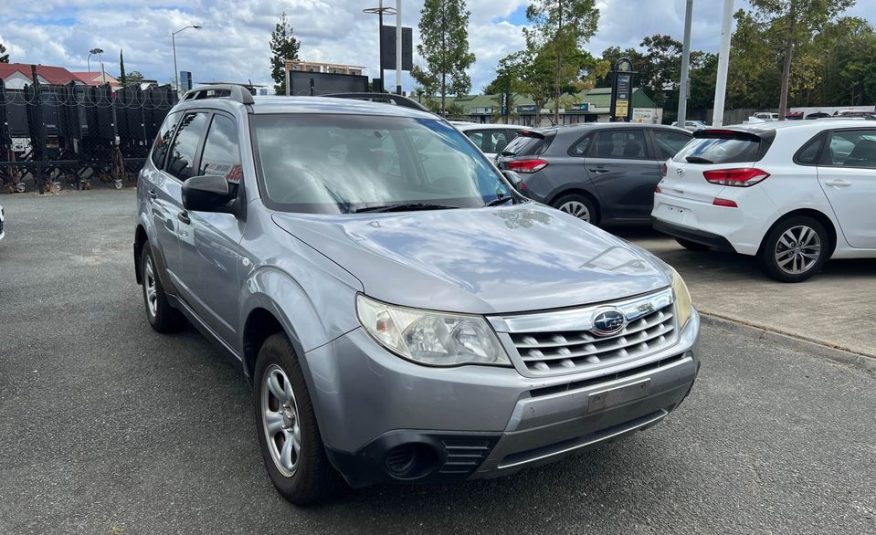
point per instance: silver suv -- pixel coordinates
(402, 314)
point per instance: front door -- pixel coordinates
(847, 176)
(211, 260)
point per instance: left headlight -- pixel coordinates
(683, 306)
(431, 338)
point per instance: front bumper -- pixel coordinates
(383, 418)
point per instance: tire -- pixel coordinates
(692, 245)
(160, 314)
(794, 249)
(306, 477)
(579, 206)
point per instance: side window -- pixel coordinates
(668, 143)
(579, 148)
(476, 137)
(222, 151)
(501, 138)
(162, 140)
(619, 144)
(181, 162)
(853, 148)
(808, 154)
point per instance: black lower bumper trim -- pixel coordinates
(414, 456)
(714, 241)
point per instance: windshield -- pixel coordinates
(350, 163)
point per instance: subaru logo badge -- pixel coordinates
(608, 321)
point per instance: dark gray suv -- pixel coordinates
(402, 314)
(599, 172)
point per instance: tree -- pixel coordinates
(284, 47)
(134, 77)
(122, 78)
(559, 28)
(444, 47)
(797, 21)
(4, 57)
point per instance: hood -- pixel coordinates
(482, 260)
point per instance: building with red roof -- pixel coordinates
(17, 75)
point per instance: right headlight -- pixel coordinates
(683, 306)
(432, 338)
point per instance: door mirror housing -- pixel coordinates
(208, 193)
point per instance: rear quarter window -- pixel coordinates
(524, 145)
(721, 148)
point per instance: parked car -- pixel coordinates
(599, 172)
(692, 126)
(766, 116)
(490, 138)
(793, 194)
(402, 313)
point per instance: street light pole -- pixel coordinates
(380, 11)
(173, 42)
(684, 87)
(723, 65)
(93, 52)
(398, 47)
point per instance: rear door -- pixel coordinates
(847, 175)
(180, 166)
(623, 171)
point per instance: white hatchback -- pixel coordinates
(794, 194)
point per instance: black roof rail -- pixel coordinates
(386, 98)
(235, 92)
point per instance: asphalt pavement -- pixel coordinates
(109, 427)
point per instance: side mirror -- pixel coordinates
(207, 193)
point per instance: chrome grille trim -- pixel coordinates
(571, 345)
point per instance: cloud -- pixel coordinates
(233, 46)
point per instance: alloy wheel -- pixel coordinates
(798, 249)
(280, 420)
(577, 209)
(151, 288)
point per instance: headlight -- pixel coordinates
(432, 338)
(683, 305)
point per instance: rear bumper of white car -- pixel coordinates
(721, 227)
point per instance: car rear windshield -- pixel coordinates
(527, 144)
(352, 163)
(710, 147)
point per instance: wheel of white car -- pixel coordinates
(795, 249)
(288, 433)
(579, 206)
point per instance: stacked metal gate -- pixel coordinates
(71, 135)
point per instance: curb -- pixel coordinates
(836, 354)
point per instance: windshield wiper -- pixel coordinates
(697, 159)
(404, 207)
(501, 200)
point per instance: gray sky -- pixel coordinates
(233, 46)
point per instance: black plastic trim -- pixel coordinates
(698, 236)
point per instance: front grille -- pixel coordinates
(550, 353)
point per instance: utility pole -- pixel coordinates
(684, 86)
(723, 65)
(173, 41)
(398, 47)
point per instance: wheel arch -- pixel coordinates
(819, 216)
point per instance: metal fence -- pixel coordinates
(54, 136)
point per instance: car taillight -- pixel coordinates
(663, 169)
(718, 201)
(527, 166)
(742, 177)
(658, 190)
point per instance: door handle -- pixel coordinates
(153, 194)
(184, 217)
(598, 170)
(837, 183)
